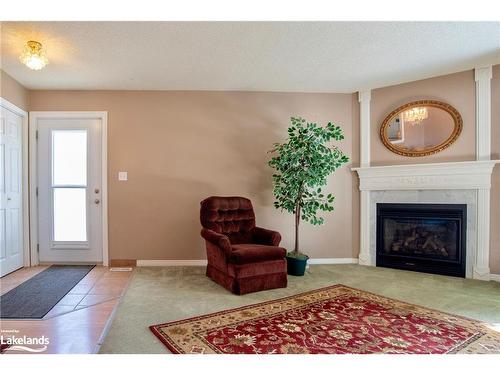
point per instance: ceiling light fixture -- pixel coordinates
(34, 56)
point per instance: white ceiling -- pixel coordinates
(256, 56)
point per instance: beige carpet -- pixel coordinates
(157, 295)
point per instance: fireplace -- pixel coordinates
(422, 237)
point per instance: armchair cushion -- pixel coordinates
(265, 236)
(251, 253)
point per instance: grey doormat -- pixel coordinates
(37, 296)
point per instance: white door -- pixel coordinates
(11, 205)
(69, 190)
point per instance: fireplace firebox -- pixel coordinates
(422, 237)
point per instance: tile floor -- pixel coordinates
(78, 322)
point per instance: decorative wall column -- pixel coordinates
(364, 98)
(481, 269)
(483, 112)
(483, 77)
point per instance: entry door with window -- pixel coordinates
(11, 203)
(69, 190)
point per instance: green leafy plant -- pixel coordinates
(302, 165)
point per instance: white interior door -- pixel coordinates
(11, 205)
(69, 190)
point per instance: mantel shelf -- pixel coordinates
(453, 175)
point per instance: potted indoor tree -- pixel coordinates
(302, 165)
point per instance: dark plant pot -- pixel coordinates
(296, 266)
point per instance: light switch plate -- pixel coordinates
(122, 176)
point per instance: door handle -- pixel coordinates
(97, 201)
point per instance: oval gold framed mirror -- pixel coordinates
(421, 128)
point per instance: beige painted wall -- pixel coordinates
(180, 147)
(13, 91)
(495, 188)
(456, 89)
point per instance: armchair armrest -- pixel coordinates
(266, 237)
(217, 239)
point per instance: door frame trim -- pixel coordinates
(25, 180)
(34, 116)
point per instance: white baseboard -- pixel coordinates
(203, 262)
(333, 261)
(495, 277)
(171, 262)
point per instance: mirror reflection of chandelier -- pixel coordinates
(416, 115)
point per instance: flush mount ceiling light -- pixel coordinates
(34, 56)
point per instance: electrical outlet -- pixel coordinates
(122, 176)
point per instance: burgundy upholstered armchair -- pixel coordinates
(242, 258)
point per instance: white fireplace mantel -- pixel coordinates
(467, 175)
(454, 175)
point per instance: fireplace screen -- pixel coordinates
(433, 238)
(422, 237)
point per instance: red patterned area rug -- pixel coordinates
(332, 320)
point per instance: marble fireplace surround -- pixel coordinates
(457, 182)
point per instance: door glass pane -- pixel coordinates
(70, 214)
(69, 157)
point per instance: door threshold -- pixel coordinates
(70, 263)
